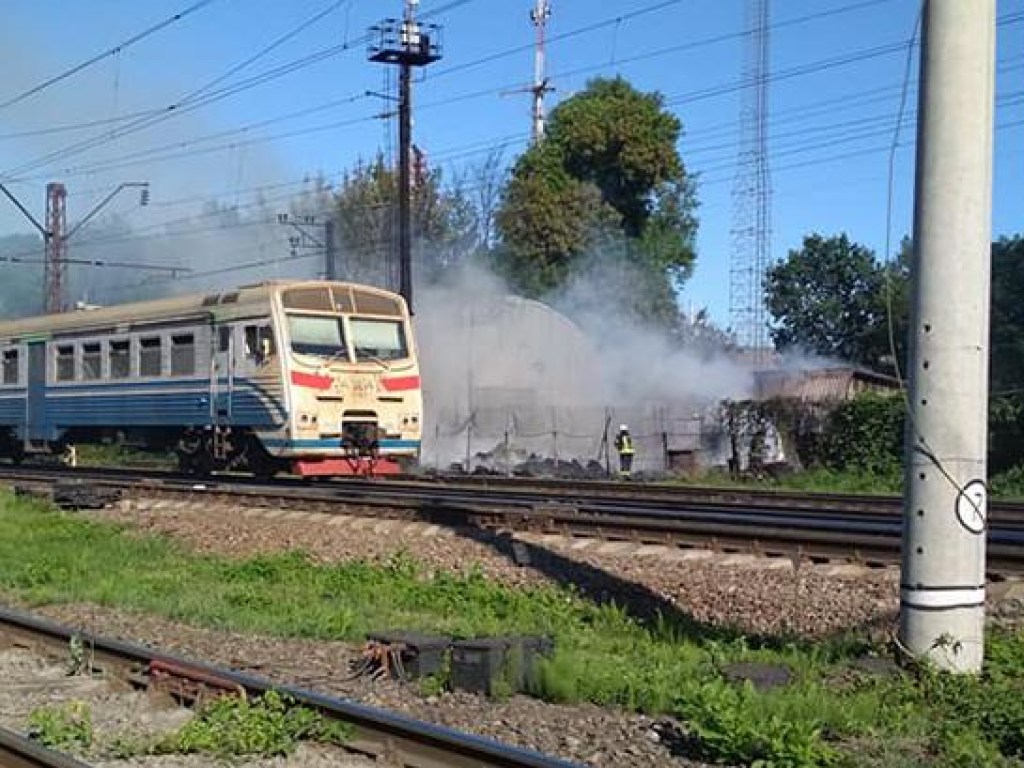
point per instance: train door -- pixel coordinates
(222, 374)
(35, 426)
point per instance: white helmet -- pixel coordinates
(623, 428)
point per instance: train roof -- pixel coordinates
(245, 301)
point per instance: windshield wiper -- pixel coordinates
(362, 353)
(341, 353)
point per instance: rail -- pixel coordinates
(391, 738)
(18, 752)
(812, 530)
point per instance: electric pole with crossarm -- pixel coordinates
(408, 44)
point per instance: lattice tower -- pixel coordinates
(751, 194)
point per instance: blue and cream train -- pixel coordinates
(316, 378)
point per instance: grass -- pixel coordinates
(829, 715)
(821, 480)
(96, 455)
(225, 727)
(1005, 485)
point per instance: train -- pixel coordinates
(312, 378)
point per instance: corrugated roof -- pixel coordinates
(822, 384)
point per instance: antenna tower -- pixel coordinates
(539, 16)
(751, 194)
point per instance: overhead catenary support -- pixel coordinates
(306, 239)
(56, 245)
(408, 44)
(942, 592)
(56, 237)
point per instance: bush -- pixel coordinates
(866, 435)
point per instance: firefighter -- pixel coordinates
(624, 445)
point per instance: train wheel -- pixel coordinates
(194, 456)
(261, 463)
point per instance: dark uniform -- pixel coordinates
(624, 445)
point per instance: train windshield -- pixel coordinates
(378, 339)
(318, 335)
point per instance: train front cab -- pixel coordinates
(353, 381)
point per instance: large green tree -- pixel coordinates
(444, 231)
(834, 298)
(607, 181)
(1007, 316)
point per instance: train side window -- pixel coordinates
(92, 361)
(223, 338)
(66, 363)
(10, 366)
(149, 356)
(183, 354)
(259, 342)
(120, 359)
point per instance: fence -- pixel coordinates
(572, 438)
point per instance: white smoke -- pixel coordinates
(505, 374)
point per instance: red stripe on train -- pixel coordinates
(401, 383)
(311, 380)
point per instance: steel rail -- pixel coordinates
(871, 538)
(589, 491)
(18, 752)
(382, 735)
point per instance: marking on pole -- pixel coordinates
(938, 598)
(971, 505)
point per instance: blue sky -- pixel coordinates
(833, 103)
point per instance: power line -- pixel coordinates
(191, 101)
(476, 94)
(612, 21)
(111, 52)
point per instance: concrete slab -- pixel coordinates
(685, 555)
(616, 548)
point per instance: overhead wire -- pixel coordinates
(476, 94)
(74, 70)
(195, 99)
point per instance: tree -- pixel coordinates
(1007, 319)
(366, 209)
(606, 176)
(832, 297)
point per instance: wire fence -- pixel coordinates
(573, 439)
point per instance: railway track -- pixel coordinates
(810, 528)
(18, 752)
(378, 735)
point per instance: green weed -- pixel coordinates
(269, 725)
(65, 728)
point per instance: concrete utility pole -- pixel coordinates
(942, 593)
(408, 44)
(539, 16)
